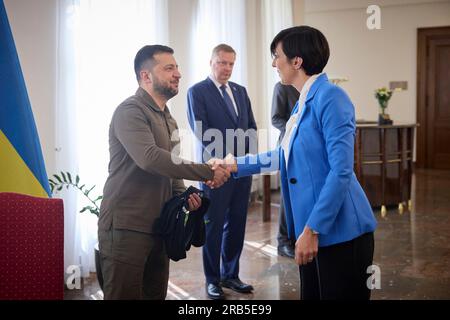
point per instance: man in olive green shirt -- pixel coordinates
(144, 173)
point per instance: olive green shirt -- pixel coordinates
(143, 172)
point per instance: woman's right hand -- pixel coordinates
(306, 247)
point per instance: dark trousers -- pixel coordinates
(135, 265)
(282, 235)
(225, 229)
(339, 271)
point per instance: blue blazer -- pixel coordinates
(319, 186)
(207, 106)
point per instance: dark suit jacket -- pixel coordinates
(207, 106)
(283, 101)
(180, 229)
(143, 172)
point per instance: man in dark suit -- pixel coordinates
(221, 110)
(283, 101)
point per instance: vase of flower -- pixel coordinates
(383, 95)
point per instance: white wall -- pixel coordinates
(33, 24)
(370, 59)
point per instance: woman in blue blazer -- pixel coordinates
(326, 208)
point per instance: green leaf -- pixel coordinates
(84, 209)
(66, 179)
(87, 192)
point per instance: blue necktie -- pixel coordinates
(229, 103)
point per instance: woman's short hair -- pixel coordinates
(304, 42)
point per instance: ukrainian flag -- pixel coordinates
(22, 168)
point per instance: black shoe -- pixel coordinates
(286, 251)
(237, 285)
(215, 292)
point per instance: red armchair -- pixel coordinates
(31, 247)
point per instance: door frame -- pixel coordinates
(424, 36)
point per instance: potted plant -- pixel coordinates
(383, 95)
(65, 179)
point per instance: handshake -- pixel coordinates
(222, 170)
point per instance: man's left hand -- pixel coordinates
(194, 202)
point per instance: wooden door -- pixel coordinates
(433, 98)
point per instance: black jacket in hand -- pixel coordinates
(179, 228)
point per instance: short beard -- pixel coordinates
(163, 90)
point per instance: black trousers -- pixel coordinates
(339, 271)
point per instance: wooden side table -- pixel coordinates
(383, 163)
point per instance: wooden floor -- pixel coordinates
(412, 251)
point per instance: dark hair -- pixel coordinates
(304, 42)
(222, 47)
(147, 55)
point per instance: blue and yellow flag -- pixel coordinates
(22, 168)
